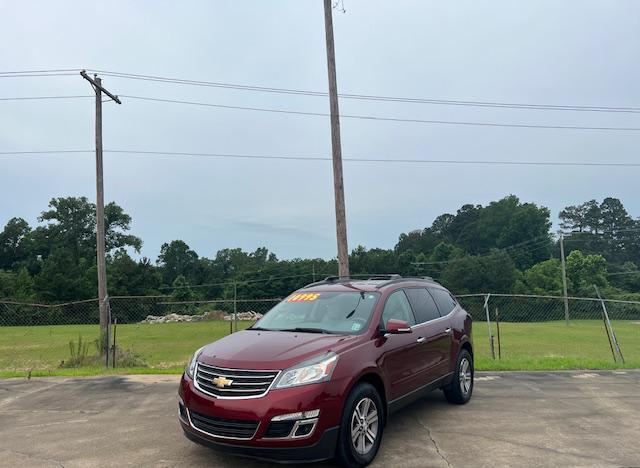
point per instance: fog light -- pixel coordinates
(298, 415)
(304, 429)
(182, 411)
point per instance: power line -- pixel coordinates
(36, 98)
(322, 158)
(241, 282)
(451, 102)
(321, 114)
(380, 118)
(508, 250)
(368, 97)
(630, 272)
(598, 234)
(60, 70)
(30, 75)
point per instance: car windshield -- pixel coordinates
(321, 312)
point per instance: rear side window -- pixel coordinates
(423, 304)
(398, 307)
(443, 299)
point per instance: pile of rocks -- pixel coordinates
(251, 315)
(169, 318)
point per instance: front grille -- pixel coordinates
(229, 428)
(243, 383)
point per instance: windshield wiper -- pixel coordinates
(350, 314)
(261, 329)
(306, 330)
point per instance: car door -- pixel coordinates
(433, 334)
(445, 351)
(399, 352)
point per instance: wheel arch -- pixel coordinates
(372, 377)
(468, 346)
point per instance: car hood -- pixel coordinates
(273, 350)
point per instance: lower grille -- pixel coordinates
(227, 428)
(279, 429)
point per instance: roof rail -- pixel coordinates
(426, 279)
(330, 280)
(390, 279)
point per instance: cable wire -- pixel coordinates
(368, 97)
(319, 158)
(60, 70)
(36, 98)
(380, 118)
(451, 102)
(37, 75)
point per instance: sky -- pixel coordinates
(577, 52)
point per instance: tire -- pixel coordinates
(460, 389)
(364, 398)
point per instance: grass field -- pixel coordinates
(167, 347)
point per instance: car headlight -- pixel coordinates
(191, 367)
(318, 369)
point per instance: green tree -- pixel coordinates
(583, 271)
(494, 272)
(7, 284)
(545, 278)
(126, 277)
(14, 243)
(71, 225)
(24, 286)
(522, 228)
(65, 278)
(363, 261)
(177, 259)
(181, 290)
(627, 277)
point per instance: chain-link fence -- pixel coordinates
(157, 332)
(541, 332)
(149, 332)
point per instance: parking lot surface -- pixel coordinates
(589, 418)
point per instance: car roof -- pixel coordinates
(369, 284)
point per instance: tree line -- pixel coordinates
(506, 246)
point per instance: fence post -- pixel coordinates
(609, 329)
(107, 305)
(564, 281)
(498, 332)
(486, 309)
(235, 306)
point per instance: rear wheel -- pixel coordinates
(361, 427)
(461, 387)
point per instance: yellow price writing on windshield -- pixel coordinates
(307, 297)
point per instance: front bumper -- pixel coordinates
(323, 449)
(318, 445)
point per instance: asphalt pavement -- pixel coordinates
(589, 418)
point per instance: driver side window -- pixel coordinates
(397, 307)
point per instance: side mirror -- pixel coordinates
(397, 327)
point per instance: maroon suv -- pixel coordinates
(319, 374)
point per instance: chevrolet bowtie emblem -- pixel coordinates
(222, 382)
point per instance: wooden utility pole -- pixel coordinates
(564, 281)
(103, 302)
(336, 148)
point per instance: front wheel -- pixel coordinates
(461, 387)
(361, 427)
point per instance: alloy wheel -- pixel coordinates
(364, 426)
(465, 376)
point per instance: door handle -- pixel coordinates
(422, 339)
(448, 331)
